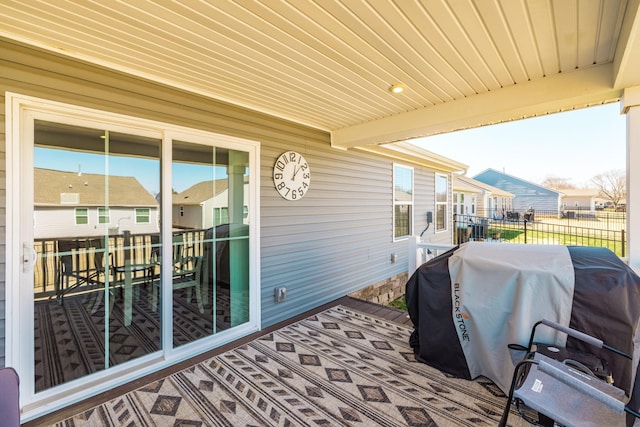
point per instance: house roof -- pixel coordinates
(57, 188)
(496, 177)
(200, 192)
(465, 183)
(330, 64)
(580, 192)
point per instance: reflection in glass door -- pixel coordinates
(96, 236)
(210, 238)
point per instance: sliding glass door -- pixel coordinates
(136, 247)
(210, 211)
(95, 232)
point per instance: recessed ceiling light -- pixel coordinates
(396, 88)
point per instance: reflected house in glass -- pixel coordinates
(73, 204)
(205, 204)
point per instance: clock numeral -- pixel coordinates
(301, 191)
(304, 184)
(281, 186)
(304, 167)
(277, 175)
(292, 156)
(306, 176)
(280, 165)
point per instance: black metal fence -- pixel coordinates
(570, 227)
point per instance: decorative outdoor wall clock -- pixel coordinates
(291, 175)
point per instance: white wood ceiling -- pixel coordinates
(329, 63)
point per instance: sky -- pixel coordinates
(575, 145)
(146, 171)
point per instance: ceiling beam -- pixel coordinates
(626, 63)
(575, 89)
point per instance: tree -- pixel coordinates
(557, 183)
(611, 186)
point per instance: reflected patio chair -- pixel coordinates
(182, 253)
(68, 276)
(105, 273)
(189, 278)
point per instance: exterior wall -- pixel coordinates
(467, 206)
(526, 194)
(384, 292)
(334, 241)
(495, 206)
(424, 201)
(191, 216)
(60, 222)
(575, 202)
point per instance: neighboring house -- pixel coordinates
(465, 197)
(72, 204)
(479, 199)
(205, 204)
(581, 199)
(527, 195)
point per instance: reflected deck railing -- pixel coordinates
(52, 278)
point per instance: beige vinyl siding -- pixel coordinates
(425, 201)
(335, 240)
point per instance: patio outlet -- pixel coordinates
(280, 294)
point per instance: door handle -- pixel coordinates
(29, 256)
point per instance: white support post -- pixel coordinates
(630, 105)
(415, 257)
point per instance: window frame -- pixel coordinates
(408, 203)
(137, 215)
(102, 215)
(76, 216)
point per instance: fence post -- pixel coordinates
(525, 231)
(624, 239)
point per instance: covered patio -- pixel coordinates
(336, 66)
(345, 83)
(344, 363)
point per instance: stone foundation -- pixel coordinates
(383, 292)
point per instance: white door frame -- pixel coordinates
(20, 112)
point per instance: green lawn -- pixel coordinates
(517, 236)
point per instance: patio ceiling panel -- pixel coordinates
(329, 64)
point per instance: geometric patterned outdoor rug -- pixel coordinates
(337, 368)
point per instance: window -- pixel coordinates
(142, 216)
(103, 216)
(455, 204)
(82, 216)
(442, 186)
(402, 201)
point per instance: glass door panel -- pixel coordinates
(96, 234)
(210, 284)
